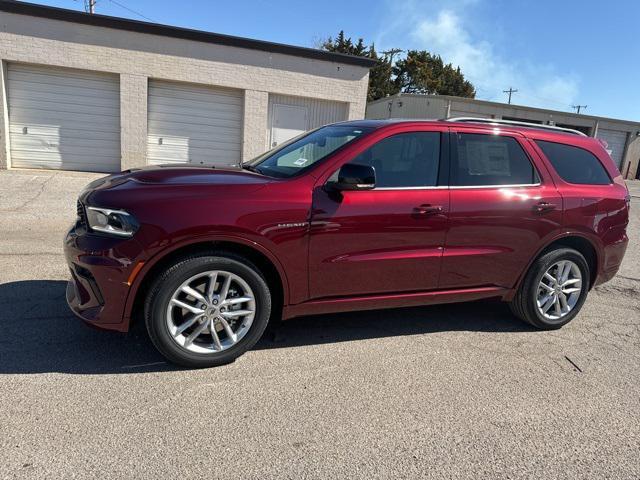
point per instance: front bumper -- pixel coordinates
(100, 267)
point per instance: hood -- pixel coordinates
(183, 175)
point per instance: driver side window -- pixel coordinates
(404, 160)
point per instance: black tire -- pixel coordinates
(524, 304)
(164, 286)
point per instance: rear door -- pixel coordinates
(389, 239)
(503, 203)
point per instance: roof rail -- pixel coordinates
(495, 121)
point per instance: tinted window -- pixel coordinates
(404, 160)
(575, 165)
(490, 160)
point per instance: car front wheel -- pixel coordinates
(553, 290)
(207, 310)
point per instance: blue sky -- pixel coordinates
(556, 53)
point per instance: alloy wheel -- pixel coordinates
(559, 290)
(211, 312)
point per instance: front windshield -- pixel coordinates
(301, 152)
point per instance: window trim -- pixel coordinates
(443, 162)
(555, 170)
(454, 151)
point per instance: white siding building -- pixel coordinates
(98, 93)
(622, 137)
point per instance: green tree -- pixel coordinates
(418, 72)
(423, 72)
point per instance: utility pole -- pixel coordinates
(391, 53)
(90, 6)
(510, 91)
(577, 108)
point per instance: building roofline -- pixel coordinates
(74, 16)
(507, 105)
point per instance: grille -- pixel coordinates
(82, 216)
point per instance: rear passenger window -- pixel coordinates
(574, 164)
(404, 160)
(481, 160)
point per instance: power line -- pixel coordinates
(577, 108)
(130, 10)
(510, 91)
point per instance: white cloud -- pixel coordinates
(444, 33)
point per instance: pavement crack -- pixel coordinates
(575, 365)
(35, 197)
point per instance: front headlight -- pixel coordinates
(115, 222)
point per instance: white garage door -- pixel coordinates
(616, 141)
(194, 124)
(63, 119)
(289, 116)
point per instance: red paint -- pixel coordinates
(367, 249)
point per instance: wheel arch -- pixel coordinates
(583, 244)
(258, 255)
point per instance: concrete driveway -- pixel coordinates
(460, 391)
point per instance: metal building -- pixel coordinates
(622, 137)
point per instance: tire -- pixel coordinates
(525, 303)
(165, 315)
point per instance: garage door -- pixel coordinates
(616, 141)
(194, 124)
(63, 119)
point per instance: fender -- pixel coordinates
(589, 237)
(150, 262)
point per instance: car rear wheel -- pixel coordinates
(553, 290)
(207, 310)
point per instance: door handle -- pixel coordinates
(427, 209)
(544, 207)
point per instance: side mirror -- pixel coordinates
(354, 176)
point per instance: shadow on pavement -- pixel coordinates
(40, 334)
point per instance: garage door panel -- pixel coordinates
(199, 157)
(63, 78)
(63, 119)
(616, 141)
(197, 102)
(89, 94)
(168, 91)
(198, 109)
(71, 144)
(212, 128)
(61, 109)
(193, 123)
(103, 127)
(22, 94)
(51, 131)
(216, 143)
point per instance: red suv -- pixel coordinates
(352, 216)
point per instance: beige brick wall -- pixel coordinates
(256, 105)
(133, 120)
(138, 57)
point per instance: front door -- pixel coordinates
(389, 239)
(288, 121)
(502, 207)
